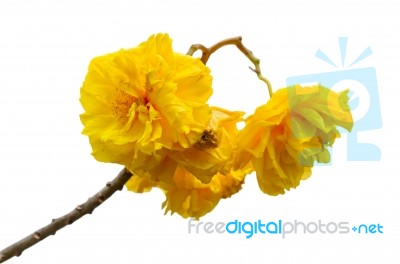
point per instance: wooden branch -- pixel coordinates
(237, 41)
(88, 207)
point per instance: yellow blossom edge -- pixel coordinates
(188, 196)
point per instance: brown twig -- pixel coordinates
(88, 207)
(237, 41)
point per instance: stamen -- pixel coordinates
(208, 140)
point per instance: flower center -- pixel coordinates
(124, 101)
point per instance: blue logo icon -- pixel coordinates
(364, 98)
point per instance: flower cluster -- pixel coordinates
(147, 109)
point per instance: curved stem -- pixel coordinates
(88, 207)
(237, 41)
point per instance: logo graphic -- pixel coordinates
(364, 98)
(281, 228)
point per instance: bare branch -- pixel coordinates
(237, 41)
(88, 207)
(205, 51)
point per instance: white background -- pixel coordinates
(45, 164)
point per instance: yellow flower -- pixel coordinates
(196, 179)
(284, 137)
(140, 101)
(213, 152)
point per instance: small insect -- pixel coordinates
(208, 140)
